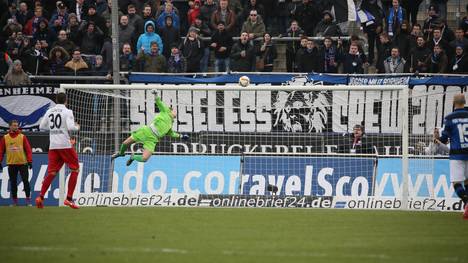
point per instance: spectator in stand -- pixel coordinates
(99, 68)
(36, 60)
(307, 16)
(293, 46)
(242, 54)
(80, 8)
(11, 27)
(441, 6)
(148, 14)
(447, 33)
(153, 61)
(402, 40)
(149, 36)
(464, 22)
(73, 28)
(437, 62)
(106, 52)
(24, 14)
(300, 51)
(395, 18)
(76, 64)
(419, 55)
(203, 31)
(135, 20)
(163, 7)
(310, 60)
(58, 56)
(395, 63)
(16, 75)
(431, 21)
(357, 142)
(99, 21)
(176, 63)
(44, 33)
(91, 38)
(33, 24)
(59, 19)
(459, 40)
(221, 43)
(459, 64)
(207, 10)
(64, 42)
(254, 25)
(412, 7)
(436, 147)
(192, 49)
(5, 64)
(126, 32)
(267, 53)
(223, 13)
(170, 36)
(384, 51)
(330, 57)
(416, 32)
(352, 62)
(438, 40)
(127, 59)
(250, 6)
(103, 8)
(194, 12)
(168, 11)
(326, 27)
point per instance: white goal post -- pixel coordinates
(296, 122)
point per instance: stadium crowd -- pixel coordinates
(73, 37)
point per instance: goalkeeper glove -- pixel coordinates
(30, 165)
(184, 137)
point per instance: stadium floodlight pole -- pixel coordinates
(405, 145)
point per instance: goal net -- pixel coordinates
(313, 143)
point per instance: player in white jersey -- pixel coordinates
(59, 121)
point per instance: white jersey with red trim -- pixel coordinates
(59, 121)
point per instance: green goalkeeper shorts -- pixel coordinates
(145, 136)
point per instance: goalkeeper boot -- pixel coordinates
(39, 202)
(465, 214)
(71, 204)
(130, 160)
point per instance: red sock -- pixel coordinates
(71, 185)
(46, 183)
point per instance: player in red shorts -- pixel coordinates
(59, 121)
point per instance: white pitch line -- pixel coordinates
(105, 249)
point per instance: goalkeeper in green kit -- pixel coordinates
(149, 135)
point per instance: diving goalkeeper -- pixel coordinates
(149, 135)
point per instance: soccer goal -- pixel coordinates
(269, 141)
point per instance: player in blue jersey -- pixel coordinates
(456, 130)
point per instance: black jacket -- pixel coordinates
(239, 63)
(222, 39)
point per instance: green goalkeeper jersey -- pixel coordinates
(162, 123)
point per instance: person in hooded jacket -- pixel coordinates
(145, 39)
(326, 27)
(459, 63)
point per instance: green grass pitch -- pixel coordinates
(229, 235)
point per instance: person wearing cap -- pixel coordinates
(221, 43)
(176, 63)
(192, 49)
(98, 20)
(459, 63)
(326, 27)
(60, 17)
(145, 39)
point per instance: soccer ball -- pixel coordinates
(244, 81)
